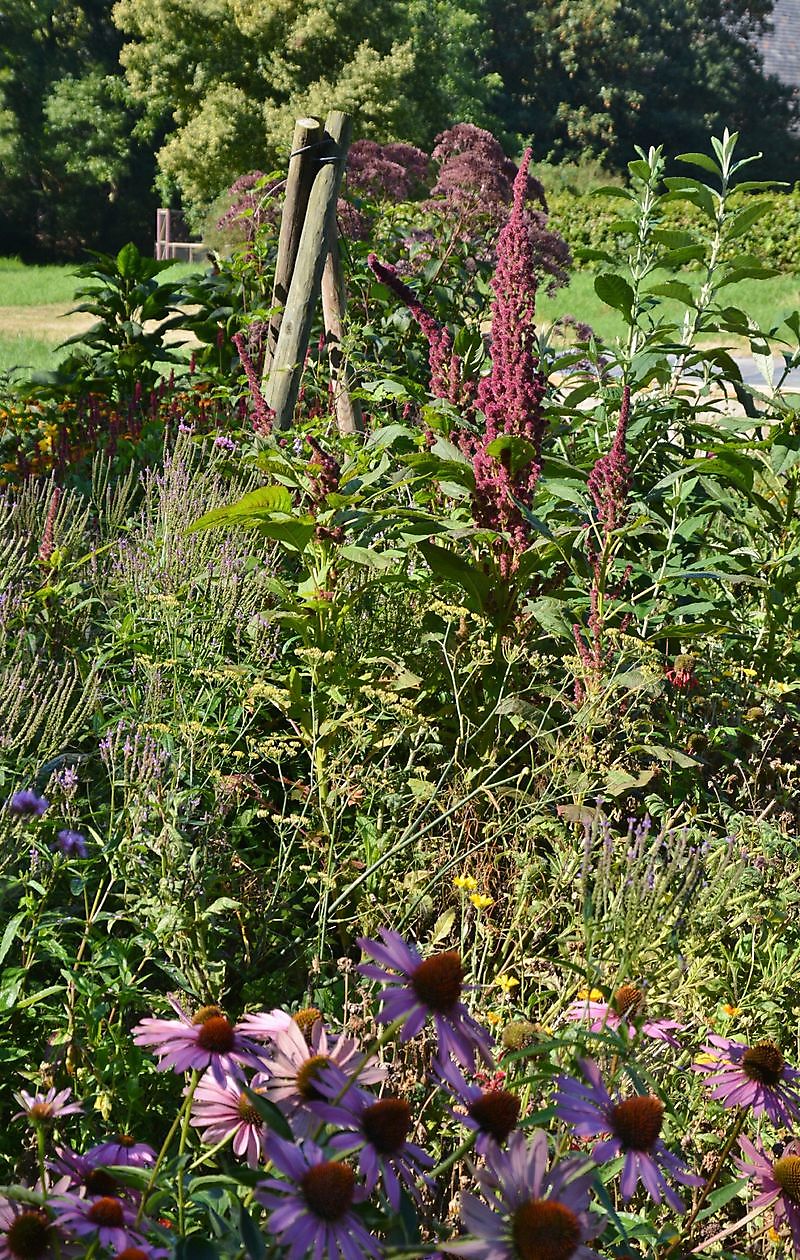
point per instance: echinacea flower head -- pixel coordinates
(46, 1108)
(107, 1218)
(755, 1077)
(492, 1113)
(265, 1025)
(26, 1232)
(624, 1013)
(26, 804)
(224, 1111)
(122, 1151)
(778, 1182)
(311, 1211)
(205, 1040)
(416, 990)
(82, 1174)
(630, 1127)
(378, 1128)
(295, 1067)
(530, 1213)
(72, 844)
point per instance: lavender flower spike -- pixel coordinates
(416, 990)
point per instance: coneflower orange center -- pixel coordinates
(328, 1190)
(107, 1213)
(216, 1035)
(386, 1124)
(763, 1063)
(205, 1014)
(125, 1139)
(637, 1121)
(543, 1229)
(248, 1113)
(98, 1181)
(131, 1253)
(306, 1019)
(438, 981)
(308, 1075)
(41, 1111)
(29, 1235)
(496, 1112)
(628, 1000)
(786, 1172)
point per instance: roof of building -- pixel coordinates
(781, 44)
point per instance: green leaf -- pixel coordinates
(674, 289)
(295, 534)
(251, 1235)
(447, 564)
(615, 291)
(195, 1248)
(249, 509)
(128, 260)
(10, 933)
(700, 159)
(746, 218)
(520, 451)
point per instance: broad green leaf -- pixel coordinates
(520, 451)
(746, 218)
(700, 159)
(674, 289)
(255, 505)
(615, 291)
(447, 564)
(128, 261)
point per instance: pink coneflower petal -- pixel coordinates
(209, 1040)
(46, 1108)
(227, 1111)
(756, 1077)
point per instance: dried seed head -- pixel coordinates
(519, 1034)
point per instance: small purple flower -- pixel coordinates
(378, 1128)
(756, 1077)
(224, 443)
(207, 1039)
(122, 1151)
(492, 1113)
(106, 1218)
(26, 1231)
(72, 844)
(432, 987)
(227, 1111)
(46, 1108)
(778, 1182)
(311, 1211)
(624, 1013)
(26, 804)
(296, 1061)
(529, 1211)
(633, 1126)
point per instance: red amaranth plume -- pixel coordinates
(510, 397)
(610, 479)
(263, 416)
(445, 374)
(47, 546)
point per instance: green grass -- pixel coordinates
(23, 285)
(766, 301)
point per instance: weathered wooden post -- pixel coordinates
(303, 166)
(348, 410)
(283, 384)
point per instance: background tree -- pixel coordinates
(67, 154)
(229, 76)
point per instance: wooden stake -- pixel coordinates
(303, 166)
(283, 385)
(348, 410)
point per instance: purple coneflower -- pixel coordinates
(380, 1128)
(265, 1025)
(294, 1068)
(778, 1182)
(107, 1219)
(224, 1111)
(72, 844)
(142, 1253)
(26, 1232)
(311, 1212)
(45, 1108)
(82, 1173)
(27, 804)
(633, 1126)
(122, 1151)
(207, 1039)
(624, 1011)
(493, 1113)
(530, 1213)
(756, 1077)
(432, 987)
